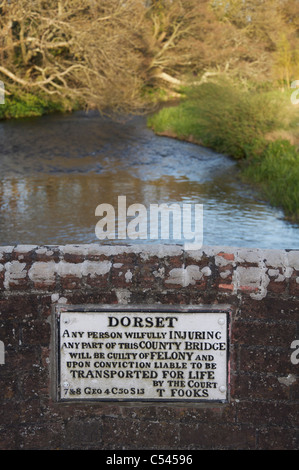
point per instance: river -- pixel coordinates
(55, 170)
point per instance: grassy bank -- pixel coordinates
(259, 128)
(20, 105)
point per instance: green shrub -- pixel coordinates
(226, 117)
(276, 172)
(238, 123)
(21, 105)
(178, 120)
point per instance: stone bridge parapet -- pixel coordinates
(260, 286)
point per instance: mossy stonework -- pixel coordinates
(261, 288)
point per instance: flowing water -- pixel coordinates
(55, 171)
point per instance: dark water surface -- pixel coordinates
(55, 171)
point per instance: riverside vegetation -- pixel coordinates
(256, 126)
(123, 57)
(21, 105)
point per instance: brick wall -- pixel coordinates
(262, 288)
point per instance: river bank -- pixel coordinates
(24, 105)
(259, 130)
(252, 129)
(57, 169)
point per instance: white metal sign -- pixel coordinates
(147, 356)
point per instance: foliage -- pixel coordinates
(180, 121)
(276, 172)
(227, 118)
(80, 50)
(108, 55)
(241, 123)
(21, 105)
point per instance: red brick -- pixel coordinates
(266, 360)
(263, 334)
(277, 287)
(71, 282)
(74, 258)
(228, 437)
(269, 308)
(267, 414)
(258, 387)
(278, 439)
(36, 333)
(40, 436)
(227, 256)
(1, 279)
(228, 287)
(294, 286)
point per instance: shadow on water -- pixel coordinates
(56, 170)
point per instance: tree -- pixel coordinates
(85, 50)
(106, 54)
(287, 55)
(271, 29)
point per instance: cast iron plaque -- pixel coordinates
(131, 355)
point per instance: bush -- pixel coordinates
(178, 120)
(236, 121)
(27, 104)
(276, 172)
(239, 123)
(227, 118)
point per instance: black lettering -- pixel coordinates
(149, 322)
(125, 321)
(113, 321)
(171, 320)
(138, 322)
